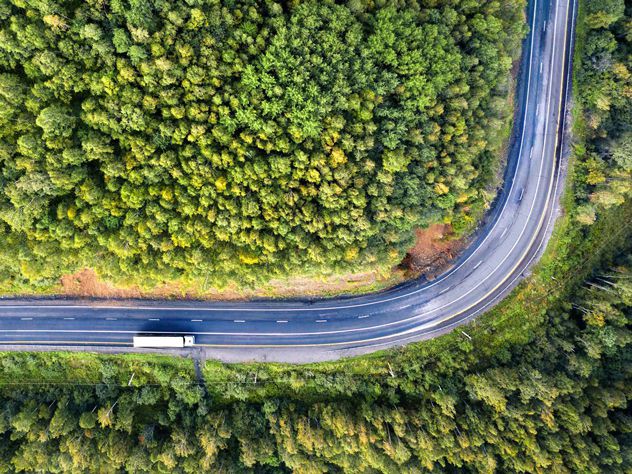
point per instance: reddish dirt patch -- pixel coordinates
(86, 283)
(433, 252)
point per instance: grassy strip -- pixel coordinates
(86, 368)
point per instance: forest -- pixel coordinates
(240, 139)
(604, 95)
(544, 385)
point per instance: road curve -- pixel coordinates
(513, 236)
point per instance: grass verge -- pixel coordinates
(24, 368)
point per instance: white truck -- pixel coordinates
(164, 341)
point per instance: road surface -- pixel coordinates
(513, 236)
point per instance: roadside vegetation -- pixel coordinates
(555, 402)
(225, 141)
(543, 383)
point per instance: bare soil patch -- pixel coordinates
(86, 283)
(434, 251)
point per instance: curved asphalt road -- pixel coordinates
(298, 331)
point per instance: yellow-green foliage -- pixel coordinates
(242, 139)
(603, 80)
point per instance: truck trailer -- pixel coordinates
(164, 341)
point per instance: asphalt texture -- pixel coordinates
(510, 239)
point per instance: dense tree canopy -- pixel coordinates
(233, 138)
(605, 94)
